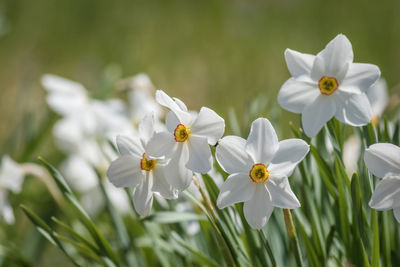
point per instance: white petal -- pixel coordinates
(166, 101)
(337, 55)
(361, 76)
(281, 194)
(129, 146)
(232, 156)
(161, 185)
(382, 158)
(200, 158)
(11, 175)
(386, 192)
(143, 196)
(237, 188)
(289, 154)
(317, 114)
(353, 109)
(296, 94)
(208, 124)
(161, 144)
(378, 97)
(171, 121)
(180, 103)
(259, 208)
(176, 173)
(146, 127)
(396, 213)
(125, 171)
(298, 63)
(79, 173)
(262, 142)
(65, 96)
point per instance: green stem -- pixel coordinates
(119, 226)
(293, 236)
(267, 247)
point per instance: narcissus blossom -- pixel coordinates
(11, 179)
(328, 85)
(383, 161)
(137, 168)
(188, 138)
(259, 168)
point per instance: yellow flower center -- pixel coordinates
(374, 121)
(328, 85)
(259, 173)
(181, 133)
(147, 165)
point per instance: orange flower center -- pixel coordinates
(146, 164)
(181, 133)
(259, 173)
(328, 85)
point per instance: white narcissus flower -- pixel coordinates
(328, 85)
(84, 130)
(187, 140)
(259, 168)
(11, 179)
(137, 168)
(383, 161)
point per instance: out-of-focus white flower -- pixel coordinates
(141, 98)
(383, 161)
(138, 168)
(187, 140)
(328, 85)
(11, 179)
(85, 128)
(351, 153)
(259, 168)
(378, 97)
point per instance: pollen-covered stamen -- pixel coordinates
(147, 164)
(259, 173)
(181, 133)
(328, 85)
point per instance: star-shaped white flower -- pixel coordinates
(259, 168)
(188, 138)
(328, 85)
(137, 168)
(383, 161)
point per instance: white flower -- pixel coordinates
(187, 139)
(351, 153)
(11, 179)
(259, 168)
(378, 97)
(84, 129)
(383, 161)
(328, 85)
(137, 168)
(141, 98)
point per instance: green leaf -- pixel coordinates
(166, 217)
(200, 257)
(46, 231)
(325, 171)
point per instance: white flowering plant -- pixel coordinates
(150, 182)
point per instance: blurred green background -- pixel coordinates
(220, 54)
(216, 53)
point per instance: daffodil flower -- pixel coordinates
(187, 140)
(328, 85)
(11, 179)
(137, 168)
(259, 168)
(383, 161)
(378, 97)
